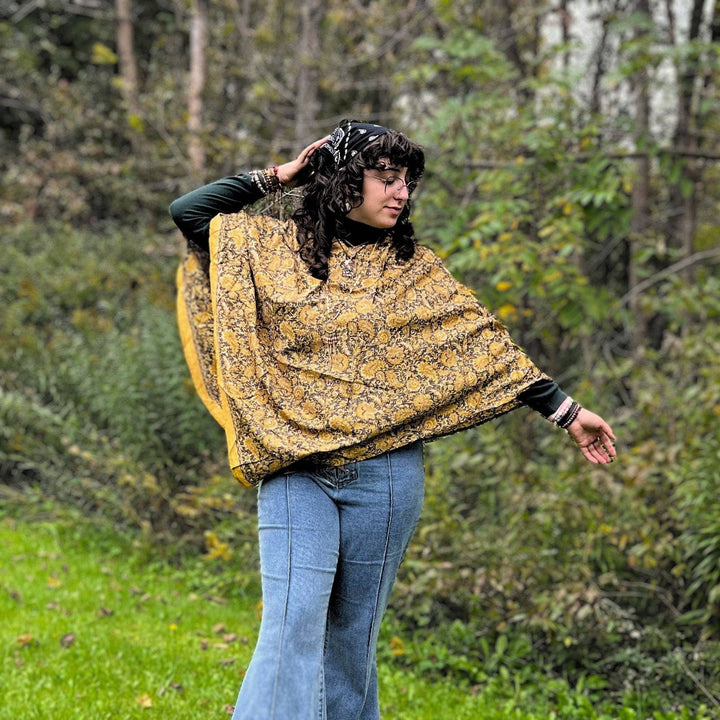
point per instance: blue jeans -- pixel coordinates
(331, 542)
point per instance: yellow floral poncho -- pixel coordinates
(293, 367)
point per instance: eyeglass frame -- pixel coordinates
(411, 186)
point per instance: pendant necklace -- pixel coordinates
(347, 266)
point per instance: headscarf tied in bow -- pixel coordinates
(349, 138)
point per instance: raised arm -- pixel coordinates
(193, 212)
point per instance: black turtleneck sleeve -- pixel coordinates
(193, 212)
(544, 396)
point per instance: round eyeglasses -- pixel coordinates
(395, 184)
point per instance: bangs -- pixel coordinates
(399, 150)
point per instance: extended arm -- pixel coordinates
(590, 432)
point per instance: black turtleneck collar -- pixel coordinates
(357, 233)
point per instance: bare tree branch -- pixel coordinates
(706, 255)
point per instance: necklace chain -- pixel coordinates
(347, 266)
(348, 263)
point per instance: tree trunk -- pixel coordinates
(641, 189)
(682, 222)
(306, 111)
(198, 43)
(126, 55)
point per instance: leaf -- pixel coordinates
(397, 646)
(103, 55)
(67, 640)
(144, 701)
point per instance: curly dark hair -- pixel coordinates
(330, 193)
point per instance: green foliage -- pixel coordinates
(97, 406)
(528, 219)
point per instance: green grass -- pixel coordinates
(94, 628)
(91, 632)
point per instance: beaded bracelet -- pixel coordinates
(267, 180)
(570, 418)
(259, 180)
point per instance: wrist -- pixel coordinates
(283, 175)
(267, 180)
(566, 414)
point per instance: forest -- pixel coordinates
(573, 182)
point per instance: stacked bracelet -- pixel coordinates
(566, 414)
(567, 420)
(562, 410)
(267, 180)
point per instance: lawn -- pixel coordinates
(95, 628)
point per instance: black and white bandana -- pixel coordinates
(349, 138)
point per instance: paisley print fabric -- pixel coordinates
(384, 353)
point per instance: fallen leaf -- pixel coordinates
(230, 637)
(144, 701)
(227, 662)
(24, 640)
(67, 640)
(219, 628)
(229, 709)
(397, 646)
(105, 612)
(54, 582)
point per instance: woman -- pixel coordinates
(330, 346)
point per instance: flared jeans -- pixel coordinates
(331, 542)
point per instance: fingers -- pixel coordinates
(607, 431)
(307, 153)
(600, 450)
(594, 437)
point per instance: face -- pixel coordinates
(385, 195)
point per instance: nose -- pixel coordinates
(402, 193)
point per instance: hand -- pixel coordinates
(289, 171)
(594, 437)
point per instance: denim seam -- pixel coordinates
(285, 605)
(374, 623)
